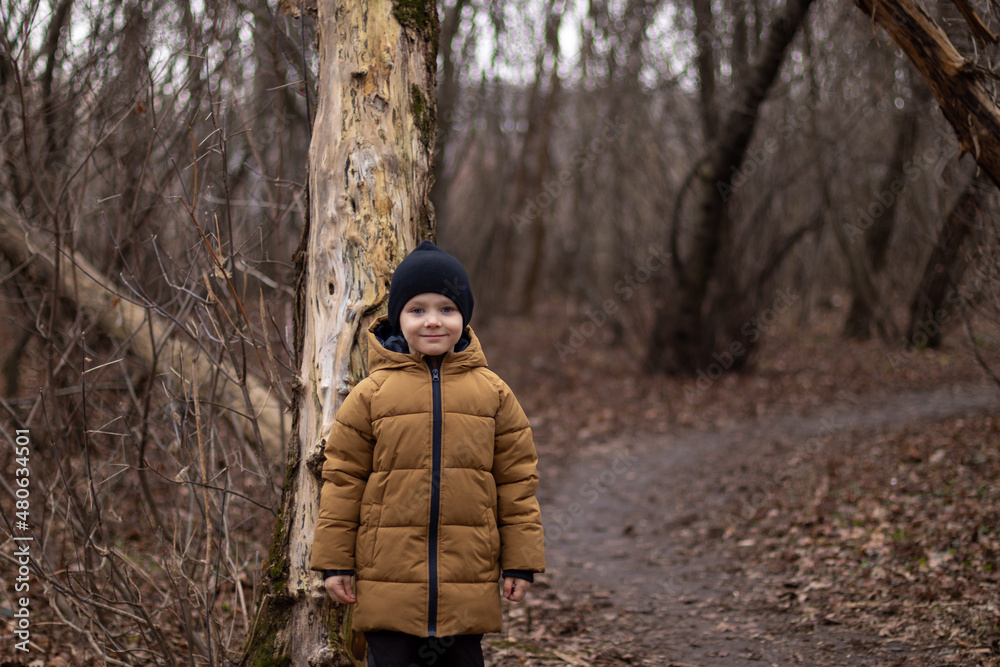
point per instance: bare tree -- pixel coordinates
(682, 341)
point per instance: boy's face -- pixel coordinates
(431, 323)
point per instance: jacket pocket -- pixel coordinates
(367, 535)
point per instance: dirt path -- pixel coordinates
(635, 549)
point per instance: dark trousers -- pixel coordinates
(396, 649)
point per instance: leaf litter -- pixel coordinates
(837, 505)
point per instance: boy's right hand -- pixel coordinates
(340, 589)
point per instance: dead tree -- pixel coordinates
(369, 187)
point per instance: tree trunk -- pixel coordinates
(529, 206)
(369, 187)
(705, 59)
(447, 108)
(877, 230)
(936, 294)
(962, 88)
(543, 157)
(681, 341)
(739, 57)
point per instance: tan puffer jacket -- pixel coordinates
(429, 490)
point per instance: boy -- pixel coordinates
(429, 481)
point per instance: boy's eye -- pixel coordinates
(447, 309)
(416, 311)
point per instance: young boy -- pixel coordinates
(429, 481)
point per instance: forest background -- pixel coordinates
(652, 188)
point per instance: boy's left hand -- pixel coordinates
(514, 588)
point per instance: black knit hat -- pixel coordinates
(429, 269)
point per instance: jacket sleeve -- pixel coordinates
(515, 469)
(349, 446)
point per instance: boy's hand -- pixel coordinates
(514, 588)
(340, 589)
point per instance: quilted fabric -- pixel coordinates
(429, 491)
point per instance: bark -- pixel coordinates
(150, 337)
(369, 185)
(936, 295)
(681, 341)
(961, 87)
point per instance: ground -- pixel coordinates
(836, 506)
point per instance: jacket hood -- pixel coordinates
(388, 350)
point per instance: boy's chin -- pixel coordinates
(433, 349)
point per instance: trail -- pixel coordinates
(635, 525)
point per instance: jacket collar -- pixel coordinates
(387, 349)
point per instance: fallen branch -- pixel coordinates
(120, 317)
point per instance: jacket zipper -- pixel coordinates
(432, 555)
